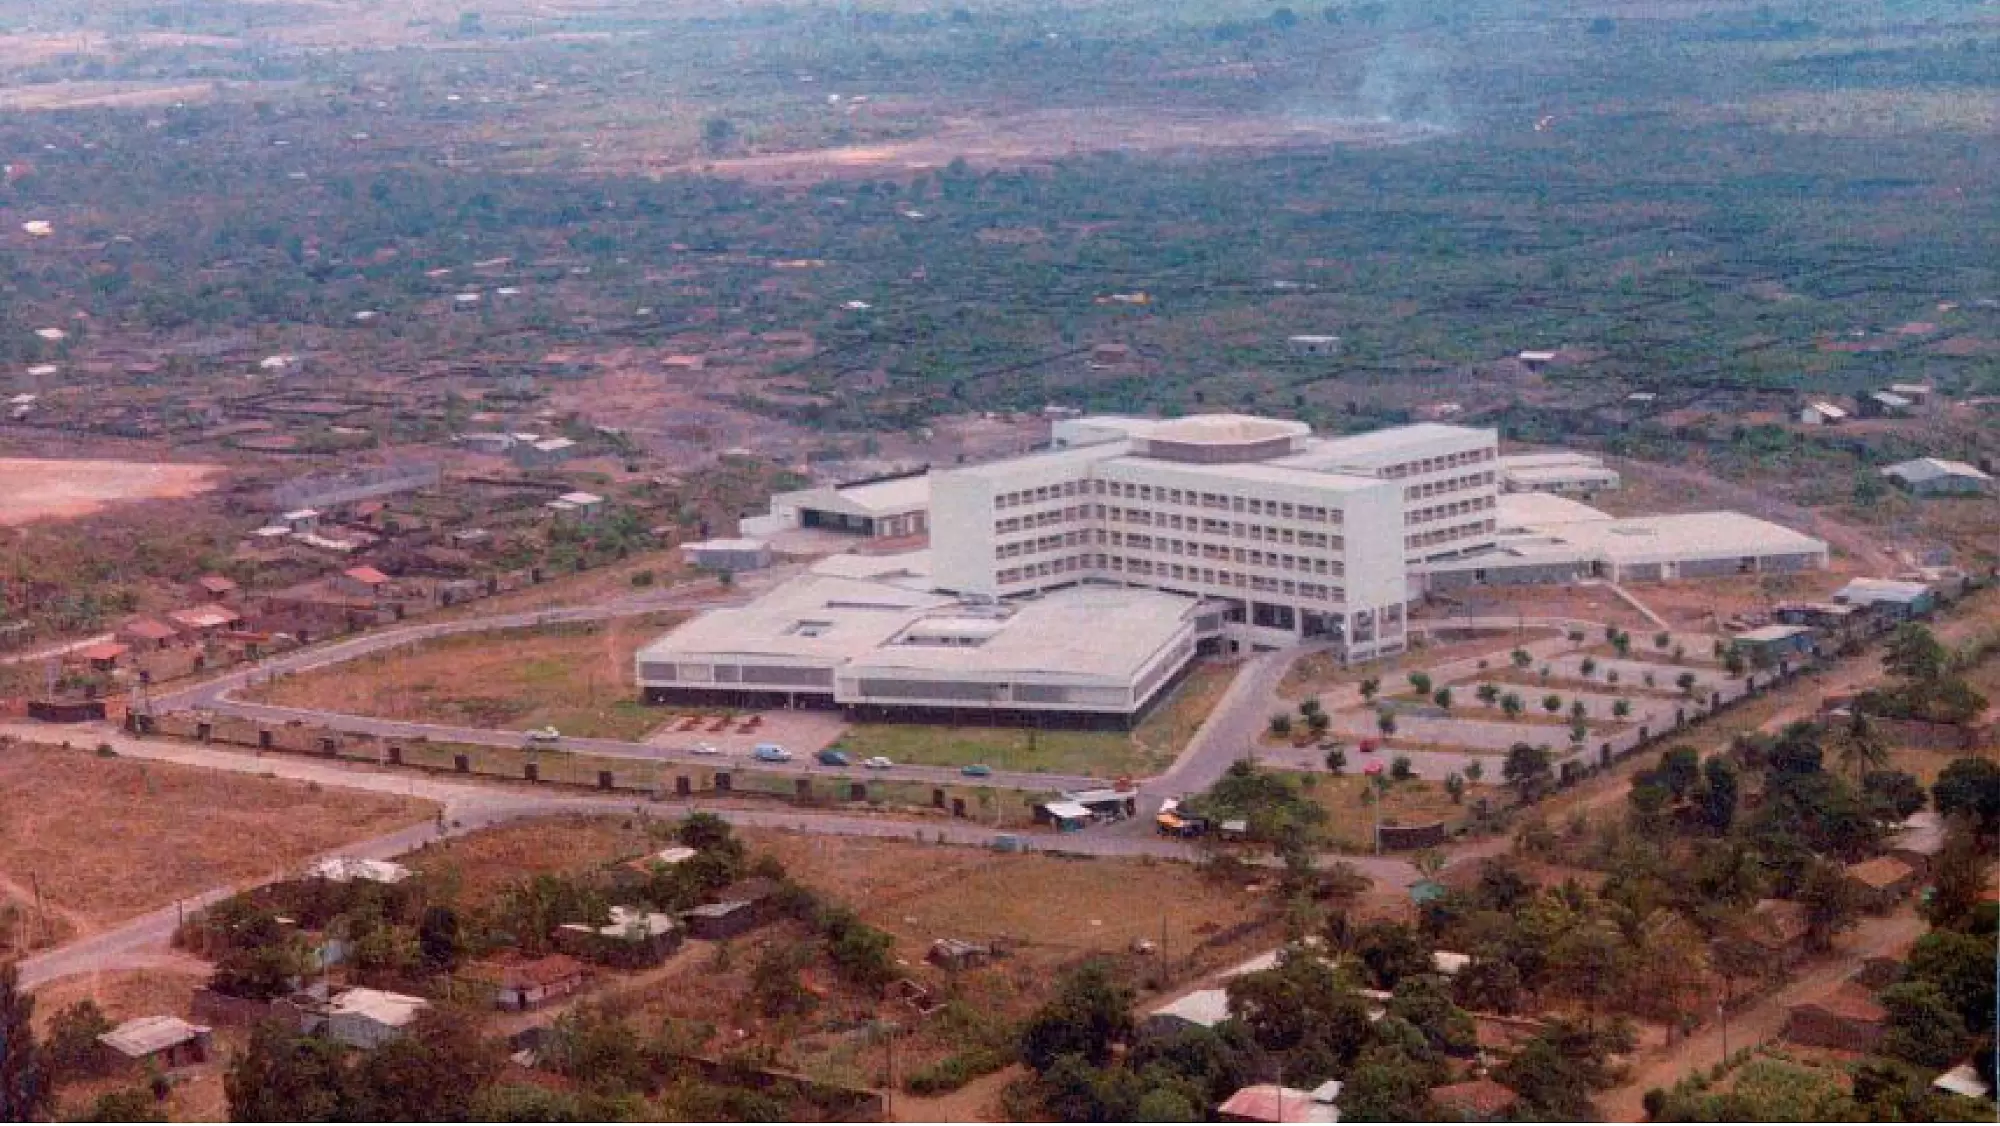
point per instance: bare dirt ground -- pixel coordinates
(1046, 134)
(37, 489)
(574, 678)
(106, 839)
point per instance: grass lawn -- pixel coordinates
(1149, 748)
(576, 678)
(1351, 824)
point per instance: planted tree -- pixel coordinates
(1420, 683)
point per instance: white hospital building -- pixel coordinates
(1079, 581)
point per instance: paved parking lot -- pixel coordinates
(803, 732)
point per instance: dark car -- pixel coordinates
(831, 757)
(977, 770)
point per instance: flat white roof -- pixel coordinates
(1275, 472)
(1379, 448)
(1223, 429)
(1557, 474)
(1693, 535)
(725, 545)
(1881, 590)
(902, 565)
(392, 1009)
(816, 618)
(1092, 632)
(1932, 468)
(345, 869)
(1542, 510)
(1548, 459)
(1772, 633)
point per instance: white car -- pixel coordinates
(877, 763)
(544, 736)
(707, 749)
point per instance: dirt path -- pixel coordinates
(1664, 1066)
(79, 924)
(977, 1101)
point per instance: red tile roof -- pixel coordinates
(104, 651)
(1880, 873)
(367, 575)
(150, 629)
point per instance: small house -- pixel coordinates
(216, 588)
(1535, 360)
(1110, 355)
(1963, 1081)
(206, 620)
(520, 984)
(362, 582)
(1203, 1008)
(1268, 1102)
(1894, 599)
(156, 1042)
(634, 938)
(1778, 927)
(578, 507)
(1846, 1017)
(737, 909)
(359, 1018)
(1936, 476)
(104, 656)
(1884, 404)
(145, 634)
(1879, 884)
(544, 453)
(1313, 345)
(1822, 414)
(300, 520)
(1450, 964)
(1475, 1100)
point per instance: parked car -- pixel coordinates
(707, 749)
(877, 763)
(977, 770)
(831, 757)
(771, 752)
(544, 737)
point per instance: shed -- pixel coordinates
(737, 909)
(1963, 1080)
(1933, 476)
(103, 656)
(359, 1018)
(1203, 1008)
(157, 1041)
(1896, 599)
(1881, 883)
(1847, 1017)
(1066, 816)
(543, 453)
(728, 554)
(1916, 841)
(1778, 927)
(1773, 645)
(206, 619)
(1313, 345)
(1821, 414)
(1450, 964)
(521, 984)
(958, 954)
(216, 586)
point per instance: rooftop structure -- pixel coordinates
(1558, 472)
(1266, 1102)
(1550, 539)
(889, 507)
(877, 646)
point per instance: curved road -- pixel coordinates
(468, 806)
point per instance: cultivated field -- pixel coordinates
(105, 839)
(575, 678)
(38, 489)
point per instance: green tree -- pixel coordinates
(1370, 686)
(1281, 724)
(1829, 904)
(1857, 745)
(1088, 1015)
(1914, 654)
(1621, 708)
(1386, 1085)
(1958, 877)
(439, 938)
(1685, 682)
(282, 1076)
(433, 1073)
(1454, 785)
(1385, 722)
(1720, 791)
(774, 981)
(1302, 1012)
(1552, 703)
(524, 1102)
(1961, 967)
(1475, 770)
(1511, 705)
(1336, 760)
(1970, 787)
(1892, 796)
(1420, 683)
(1442, 698)
(27, 1089)
(1318, 723)
(717, 134)
(1923, 1026)
(1488, 694)
(1521, 658)
(1527, 769)
(71, 1049)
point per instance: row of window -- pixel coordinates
(1161, 494)
(1447, 511)
(1146, 568)
(1428, 465)
(1260, 533)
(1448, 485)
(1443, 535)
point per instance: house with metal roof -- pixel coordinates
(1936, 476)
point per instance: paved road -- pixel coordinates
(469, 806)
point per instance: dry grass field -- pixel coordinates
(483, 864)
(107, 839)
(575, 678)
(1351, 822)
